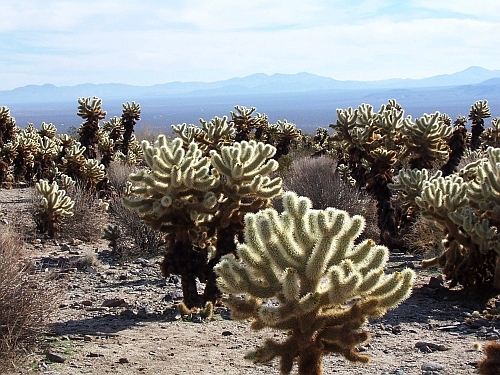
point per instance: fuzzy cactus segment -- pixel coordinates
(302, 272)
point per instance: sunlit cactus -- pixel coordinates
(54, 206)
(491, 136)
(301, 272)
(90, 109)
(47, 130)
(175, 197)
(426, 140)
(212, 135)
(7, 126)
(466, 206)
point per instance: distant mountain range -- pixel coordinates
(253, 84)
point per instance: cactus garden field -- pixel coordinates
(237, 246)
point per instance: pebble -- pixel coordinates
(432, 368)
(55, 357)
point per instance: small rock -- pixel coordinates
(226, 333)
(432, 367)
(95, 355)
(65, 247)
(127, 313)
(141, 261)
(196, 318)
(86, 303)
(432, 346)
(396, 330)
(87, 338)
(435, 282)
(123, 360)
(115, 302)
(362, 348)
(55, 357)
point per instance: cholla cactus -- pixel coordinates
(378, 143)
(243, 170)
(491, 136)
(301, 272)
(112, 233)
(245, 123)
(175, 197)
(478, 112)
(90, 109)
(426, 140)
(130, 115)
(92, 173)
(54, 206)
(466, 206)
(211, 136)
(8, 126)
(285, 133)
(47, 130)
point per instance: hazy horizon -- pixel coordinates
(156, 42)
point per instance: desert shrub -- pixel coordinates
(315, 178)
(118, 175)
(89, 215)
(424, 237)
(135, 237)
(26, 300)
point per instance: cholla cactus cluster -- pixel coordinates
(377, 143)
(467, 207)
(197, 190)
(301, 272)
(30, 155)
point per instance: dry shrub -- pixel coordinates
(315, 178)
(136, 238)
(118, 175)
(26, 300)
(424, 237)
(89, 216)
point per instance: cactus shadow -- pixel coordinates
(442, 305)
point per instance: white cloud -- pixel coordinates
(152, 42)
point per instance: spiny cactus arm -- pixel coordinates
(131, 111)
(93, 172)
(90, 109)
(218, 130)
(47, 130)
(186, 133)
(426, 140)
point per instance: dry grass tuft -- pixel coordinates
(26, 300)
(424, 237)
(118, 175)
(136, 238)
(89, 216)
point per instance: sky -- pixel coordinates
(147, 42)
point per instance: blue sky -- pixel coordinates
(145, 42)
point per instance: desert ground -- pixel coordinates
(120, 317)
